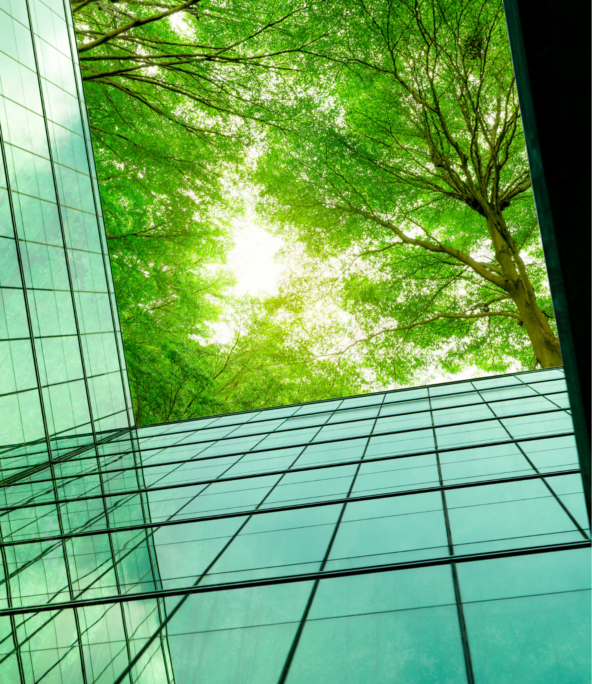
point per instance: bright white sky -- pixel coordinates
(252, 259)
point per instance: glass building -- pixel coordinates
(428, 535)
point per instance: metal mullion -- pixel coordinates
(420, 490)
(167, 619)
(33, 350)
(160, 605)
(13, 625)
(327, 574)
(96, 202)
(311, 597)
(543, 478)
(170, 616)
(329, 502)
(76, 323)
(345, 439)
(455, 582)
(355, 396)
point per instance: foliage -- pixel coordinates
(386, 141)
(410, 168)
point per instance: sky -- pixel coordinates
(252, 259)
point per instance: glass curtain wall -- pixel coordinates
(63, 384)
(430, 535)
(63, 373)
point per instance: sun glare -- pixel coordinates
(252, 260)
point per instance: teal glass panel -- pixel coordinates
(16, 40)
(58, 359)
(81, 230)
(13, 319)
(342, 431)
(406, 395)
(528, 619)
(512, 515)
(333, 452)
(184, 552)
(55, 66)
(357, 402)
(238, 636)
(569, 490)
(401, 443)
(74, 189)
(463, 399)
(490, 383)
(452, 388)
(37, 573)
(262, 461)
(318, 407)
(9, 266)
(48, 645)
(29, 173)
(51, 26)
(23, 128)
(272, 414)
(285, 439)
(400, 473)
(6, 227)
(343, 416)
(17, 371)
(403, 422)
(464, 414)
(557, 453)
(94, 312)
(66, 406)
(399, 407)
(103, 640)
(539, 425)
(390, 530)
(62, 107)
(309, 486)
(383, 627)
(512, 392)
(26, 422)
(106, 394)
(18, 82)
(256, 428)
(471, 434)
(44, 266)
(484, 463)
(277, 544)
(52, 313)
(16, 9)
(37, 221)
(515, 407)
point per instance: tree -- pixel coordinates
(177, 93)
(410, 167)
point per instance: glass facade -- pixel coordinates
(61, 359)
(436, 534)
(429, 535)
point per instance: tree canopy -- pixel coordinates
(384, 142)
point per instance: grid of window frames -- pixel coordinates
(429, 535)
(62, 367)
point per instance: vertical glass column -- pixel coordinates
(63, 369)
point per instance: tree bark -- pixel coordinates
(545, 343)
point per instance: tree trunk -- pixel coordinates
(545, 343)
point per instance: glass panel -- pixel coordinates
(391, 530)
(528, 619)
(236, 636)
(382, 627)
